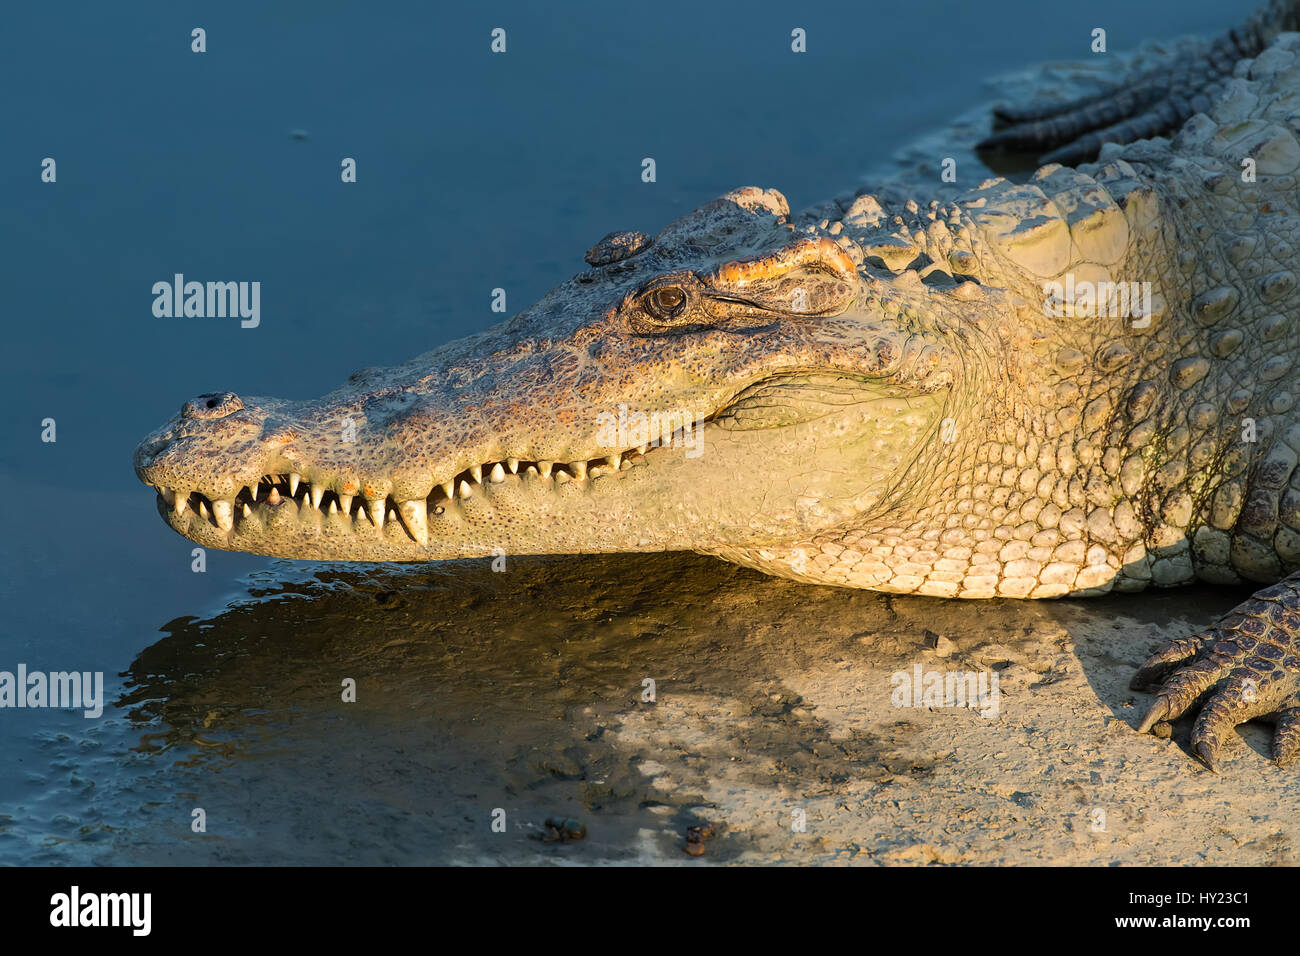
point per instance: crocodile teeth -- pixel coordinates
(498, 474)
(416, 520)
(224, 512)
(532, 471)
(345, 504)
(545, 467)
(293, 484)
(203, 511)
(449, 488)
(181, 503)
(642, 449)
(513, 465)
(579, 469)
(376, 508)
(477, 474)
(317, 495)
(561, 477)
(614, 460)
(246, 511)
(274, 497)
(334, 508)
(465, 489)
(168, 496)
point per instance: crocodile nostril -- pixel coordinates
(212, 405)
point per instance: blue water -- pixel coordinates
(475, 171)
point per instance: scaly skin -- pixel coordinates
(883, 398)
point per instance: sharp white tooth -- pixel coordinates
(334, 507)
(246, 511)
(465, 490)
(498, 474)
(642, 449)
(181, 503)
(449, 488)
(203, 509)
(513, 465)
(579, 469)
(416, 519)
(561, 477)
(626, 465)
(274, 497)
(546, 467)
(345, 504)
(532, 471)
(294, 478)
(376, 508)
(317, 494)
(477, 474)
(613, 460)
(168, 496)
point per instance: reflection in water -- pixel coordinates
(520, 691)
(478, 690)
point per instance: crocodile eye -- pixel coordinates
(666, 302)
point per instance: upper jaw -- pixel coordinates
(289, 512)
(373, 473)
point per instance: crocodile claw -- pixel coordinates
(1245, 667)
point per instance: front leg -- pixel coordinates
(1140, 107)
(1246, 666)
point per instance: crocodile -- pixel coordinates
(1075, 381)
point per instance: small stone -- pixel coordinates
(703, 832)
(941, 646)
(695, 837)
(564, 829)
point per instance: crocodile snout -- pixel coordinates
(212, 405)
(215, 435)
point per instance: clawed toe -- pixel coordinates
(1245, 667)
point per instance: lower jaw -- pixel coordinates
(523, 514)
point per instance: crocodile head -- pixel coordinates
(732, 383)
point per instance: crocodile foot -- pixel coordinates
(1149, 104)
(1244, 667)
